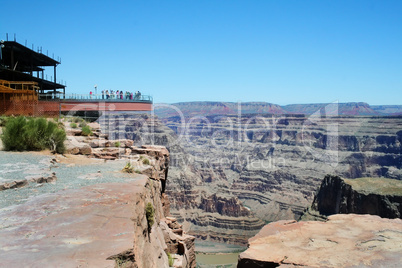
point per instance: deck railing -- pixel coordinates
(96, 97)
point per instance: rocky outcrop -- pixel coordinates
(375, 196)
(342, 241)
(153, 243)
(227, 207)
(30, 179)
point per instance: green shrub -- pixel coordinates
(145, 161)
(138, 171)
(117, 144)
(12, 137)
(73, 125)
(171, 259)
(128, 168)
(83, 124)
(86, 131)
(150, 213)
(35, 134)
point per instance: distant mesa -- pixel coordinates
(349, 108)
(207, 108)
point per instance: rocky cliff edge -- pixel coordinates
(348, 240)
(122, 224)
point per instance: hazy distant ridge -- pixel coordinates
(388, 109)
(206, 108)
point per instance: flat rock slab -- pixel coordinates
(345, 240)
(72, 228)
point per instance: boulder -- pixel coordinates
(124, 143)
(86, 150)
(99, 143)
(13, 184)
(43, 179)
(94, 126)
(73, 132)
(108, 153)
(71, 149)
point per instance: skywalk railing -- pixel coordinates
(96, 97)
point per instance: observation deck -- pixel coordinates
(25, 89)
(93, 102)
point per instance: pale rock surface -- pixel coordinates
(75, 228)
(343, 241)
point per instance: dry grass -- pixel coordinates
(381, 186)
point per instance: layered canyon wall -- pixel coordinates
(230, 174)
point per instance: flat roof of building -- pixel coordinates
(24, 58)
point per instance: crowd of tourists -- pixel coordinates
(120, 95)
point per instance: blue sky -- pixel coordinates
(275, 51)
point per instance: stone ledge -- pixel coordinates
(342, 241)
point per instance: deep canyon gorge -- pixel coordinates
(232, 171)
